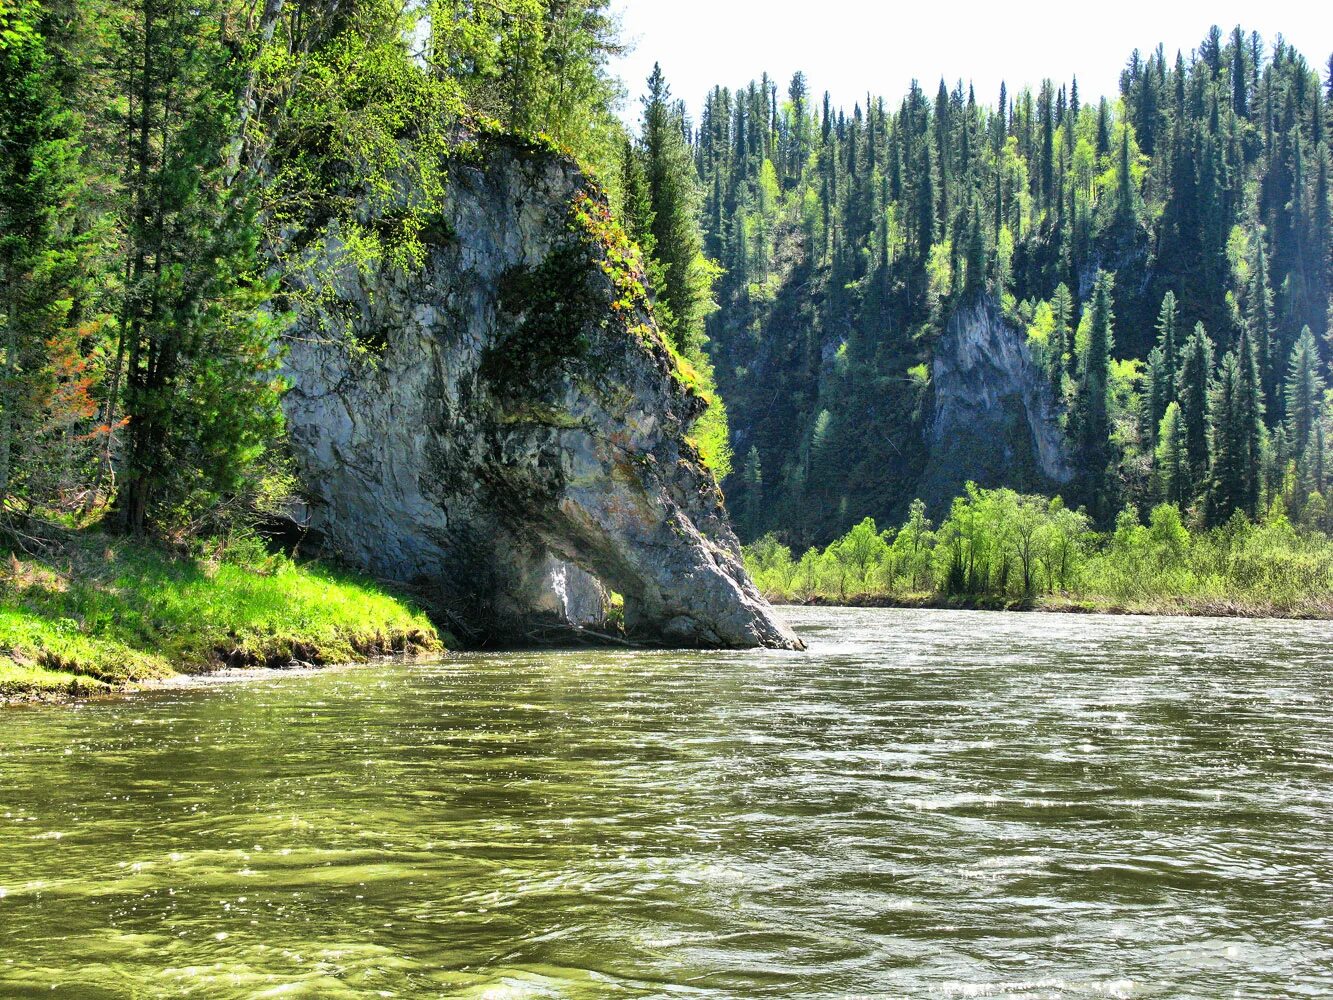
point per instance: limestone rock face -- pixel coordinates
(995, 421)
(516, 434)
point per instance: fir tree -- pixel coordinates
(1304, 393)
(1171, 459)
(1196, 408)
(1092, 415)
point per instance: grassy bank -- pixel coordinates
(95, 614)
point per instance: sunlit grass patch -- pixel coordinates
(102, 614)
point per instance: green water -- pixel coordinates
(927, 804)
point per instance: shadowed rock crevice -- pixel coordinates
(523, 409)
(995, 421)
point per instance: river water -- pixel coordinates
(927, 804)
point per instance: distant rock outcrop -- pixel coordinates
(517, 438)
(994, 422)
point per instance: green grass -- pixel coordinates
(97, 615)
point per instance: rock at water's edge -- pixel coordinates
(520, 406)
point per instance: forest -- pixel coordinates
(165, 165)
(1164, 257)
(1163, 252)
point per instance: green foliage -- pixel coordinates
(46, 406)
(1205, 198)
(998, 547)
(178, 177)
(662, 196)
(100, 613)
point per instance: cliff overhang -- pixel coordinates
(518, 441)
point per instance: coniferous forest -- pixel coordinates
(1164, 251)
(1160, 258)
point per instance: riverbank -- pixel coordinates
(1315, 608)
(99, 615)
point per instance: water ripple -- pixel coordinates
(929, 804)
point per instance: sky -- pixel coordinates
(850, 47)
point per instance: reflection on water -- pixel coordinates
(928, 804)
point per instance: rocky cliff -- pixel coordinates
(517, 434)
(994, 420)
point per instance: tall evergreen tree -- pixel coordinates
(1305, 389)
(1261, 321)
(1196, 408)
(1163, 366)
(674, 203)
(1171, 459)
(1249, 417)
(198, 332)
(38, 169)
(1226, 488)
(1093, 418)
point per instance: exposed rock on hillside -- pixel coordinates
(519, 407)
(994, 419)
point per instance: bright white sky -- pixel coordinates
(851, 46)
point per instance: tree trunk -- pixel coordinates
(268, 23)
(7, 389)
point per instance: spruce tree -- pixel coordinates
(636, 198)
(1163, 367)
(1261, 321)
(37, 177)
(1196, 408)
(1062, 310)
(1171, 459)
(1304, 393)
(1092, 413)
(1249, 416)
(674, 205)
(1226, 484)
(198, 336)
(1125, 192)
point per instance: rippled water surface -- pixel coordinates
(928, 804)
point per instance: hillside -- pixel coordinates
(854, 239)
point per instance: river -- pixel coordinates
(927, 804)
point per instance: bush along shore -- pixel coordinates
(94, 614)
(999, 550)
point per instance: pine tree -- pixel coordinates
(1171, 459)
(1092, 414)
(1196, 408)
(1304, 393)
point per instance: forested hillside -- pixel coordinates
(1158, 260)
(166, 166)
(1164, 252)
